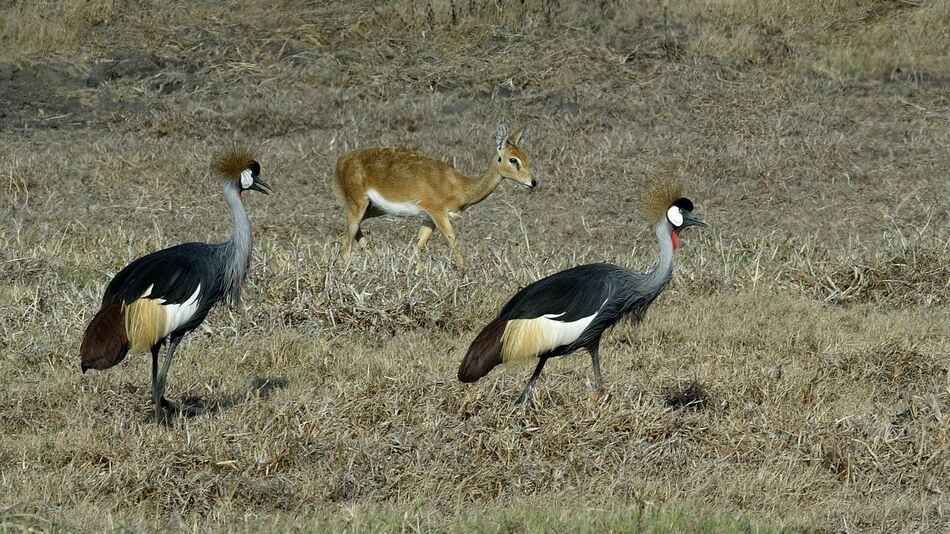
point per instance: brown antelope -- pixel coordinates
(405, 183)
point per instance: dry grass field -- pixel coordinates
(796, 374)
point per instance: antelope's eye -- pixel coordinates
(514, 161)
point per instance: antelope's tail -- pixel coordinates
(484, 353)
(105, 342)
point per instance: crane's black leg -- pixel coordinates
(529, 388)
(595, 360)
(158, 391)
(155, 350)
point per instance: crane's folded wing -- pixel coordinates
(172, 275)
(555, 311)
(566, 296)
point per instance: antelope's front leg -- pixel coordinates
(445, 226)
(354, 216)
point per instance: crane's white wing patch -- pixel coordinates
(529, 338)
(565, 333)
(399, 209)
(176, 315)
(148, 320)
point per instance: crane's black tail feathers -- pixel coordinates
(484, 353)
(105, 342)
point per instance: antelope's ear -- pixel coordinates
(517, 137)
(501, 136)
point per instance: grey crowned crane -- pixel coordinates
(166, 294)
(572, 309)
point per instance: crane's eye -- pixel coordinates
(675, 216)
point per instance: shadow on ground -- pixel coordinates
(193, 405)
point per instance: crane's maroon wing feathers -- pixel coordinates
(105, 342)
(484, 353)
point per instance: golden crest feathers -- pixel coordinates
(232, 161)
(660, 197)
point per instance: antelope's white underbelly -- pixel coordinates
(398, 209)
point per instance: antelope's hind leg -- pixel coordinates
(425, 232)
(354, 216)
(370, 212)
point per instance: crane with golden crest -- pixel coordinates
(572, 309)
(404, 183)
(162, 296)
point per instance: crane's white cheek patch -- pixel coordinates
(675, 216)
(399, 209)
(246, 179)
(529, 338)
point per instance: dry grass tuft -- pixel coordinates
(52, 26)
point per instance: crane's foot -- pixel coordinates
(596, 395)
(165, 411)
(526, 396)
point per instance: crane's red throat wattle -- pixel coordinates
(675, 237)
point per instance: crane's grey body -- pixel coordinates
(625, 294)
(162, 296)
(570, 310)
(632, 293)
(229, 263)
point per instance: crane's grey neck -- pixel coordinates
(237, 250)
(660, 276)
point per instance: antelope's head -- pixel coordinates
(512, 162)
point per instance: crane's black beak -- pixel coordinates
(691, 220)
(260, 185)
